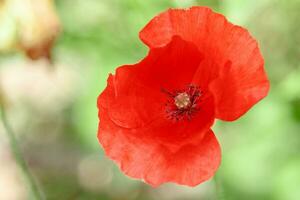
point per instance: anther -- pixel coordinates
(183, 104)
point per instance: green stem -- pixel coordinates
(19, 157)
(218, 188)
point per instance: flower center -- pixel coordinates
(182, 100)
(183, 104)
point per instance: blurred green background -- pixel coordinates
(52, 106)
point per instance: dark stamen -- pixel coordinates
(183, 104)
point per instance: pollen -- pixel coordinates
(182, 100)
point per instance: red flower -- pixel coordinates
(155, 116)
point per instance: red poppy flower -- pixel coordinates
(156, 115)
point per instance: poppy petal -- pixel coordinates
(222, 43)
(171, 66)
(190, 165)
(237, 89)
(132, 111)
(134, 96)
